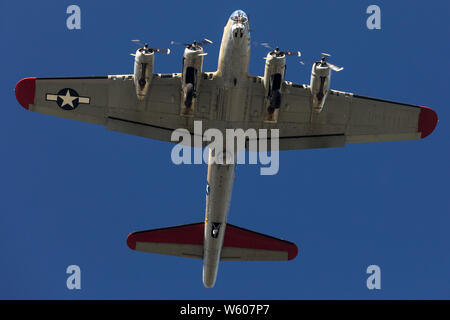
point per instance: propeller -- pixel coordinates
(276, 51)
(192, 46)
(324, 62)
(146, 49)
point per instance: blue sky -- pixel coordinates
(71, 192)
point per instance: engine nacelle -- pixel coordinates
(320, 84)
(143, 71)
(192, 74)
(273, 79)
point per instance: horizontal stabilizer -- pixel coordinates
(241, 244)
(187, 241)
(183, 241)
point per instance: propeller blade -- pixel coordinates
(266, 45)
(326, 54)
(293, 53)
(333, 67)
(166, 51)
(201, 43)
(132, 54)
(138, 42)
(202, 54)
(176, 43)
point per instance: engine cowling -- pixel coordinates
(273, 79)
(320, 84)
(143, 71)
(192, 73)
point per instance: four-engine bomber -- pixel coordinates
(228, 98)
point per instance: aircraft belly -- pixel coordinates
(220, 186)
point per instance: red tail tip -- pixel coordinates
(293, 251)
(427, 121)
(25, 91)
(131, 241)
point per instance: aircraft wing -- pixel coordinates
(347, 118)
(110, 101)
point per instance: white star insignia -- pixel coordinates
(67, 99)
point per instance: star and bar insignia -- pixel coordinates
(67, 99)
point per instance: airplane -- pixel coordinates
(153, 105)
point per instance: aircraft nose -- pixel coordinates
(239, 16)
(238, 30)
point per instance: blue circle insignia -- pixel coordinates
(67, 99)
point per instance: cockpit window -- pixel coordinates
(239, 16)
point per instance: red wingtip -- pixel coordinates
(292, 252)
(131, 241)
(427, 121)
(25, 91)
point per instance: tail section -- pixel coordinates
(183, 241)
(187, 241)
(245, 245)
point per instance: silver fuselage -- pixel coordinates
(232, 75)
